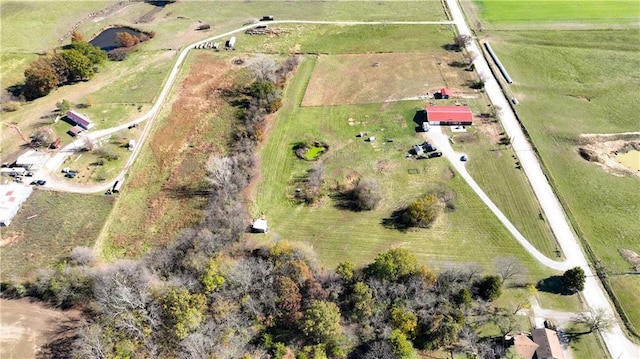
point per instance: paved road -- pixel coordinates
(618, 345)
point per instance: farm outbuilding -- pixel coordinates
(80, 120)
(449, 115)
(442, 94)
(75, 130)
(12, 196)
(260, 226)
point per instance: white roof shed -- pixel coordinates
(12, 196)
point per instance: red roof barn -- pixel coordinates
(443, 94)
(449, 115)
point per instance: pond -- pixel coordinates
(630, 159)
(106, 40)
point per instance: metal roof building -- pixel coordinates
(12, 196)
(81, 120)
(449, 115)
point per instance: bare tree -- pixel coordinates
(264, 67)
(90, 343)
(83, 256)
(595, 319)
(508, 268)
(462, 41)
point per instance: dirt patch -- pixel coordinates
(11, 238)
(30, 329)
(385, 166)
(632, 257)
(602, 150)
(448, 174)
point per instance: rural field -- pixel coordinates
(571, 83)
(166, 189)
(47, 228)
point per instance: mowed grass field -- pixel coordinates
(568, 87)
(48, 227)
(469, 234)
(540, 13)
(354, 79)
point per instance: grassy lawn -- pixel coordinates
(569, 90)
(494, 168)
(48, 227)
(468, 234)
(349, 39)
(536, 12)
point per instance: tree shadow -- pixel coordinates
(458, 64)
(553, 285)
(396, 221)
(184, 191)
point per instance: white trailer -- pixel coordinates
(231, 43)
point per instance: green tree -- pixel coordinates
(40, 79)
(321, 322)
(489, 288)
(262, 89)
(462, 297)
(80, 66)
(405, 321)
(401, 346)
(183, 310)
(422, 212)
(63, 106)
(362, 299)
(212, 278)
(574, 279)
(394, 265)
(95, 54)
(345, 270)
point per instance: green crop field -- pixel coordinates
(546, 12)
(569, 87)
(48, 227)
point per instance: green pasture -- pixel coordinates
(494, 168)
(566, 91)
(349, 39)
(469, 234)
(541, 13)
(48, 227)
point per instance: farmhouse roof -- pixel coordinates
(449, 113)
(524, 346)
(11, 198)
(81, 120)
(549, 344)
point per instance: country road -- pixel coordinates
(618, 345)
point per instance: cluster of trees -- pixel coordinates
(126, 43)
(77, 62)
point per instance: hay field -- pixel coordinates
(370, 78)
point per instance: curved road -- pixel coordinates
(56, 161)
(618, 345)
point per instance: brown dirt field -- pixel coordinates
(603, 148)
(27, 327)
(370, 78)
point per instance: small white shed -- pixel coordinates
(260, 226)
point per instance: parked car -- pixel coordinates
(463, 158)
(70, 174)
(435, 154)
(38, 183)
(29, 174)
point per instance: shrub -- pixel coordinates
(367, 195)
(422, 213)
(10, 106)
